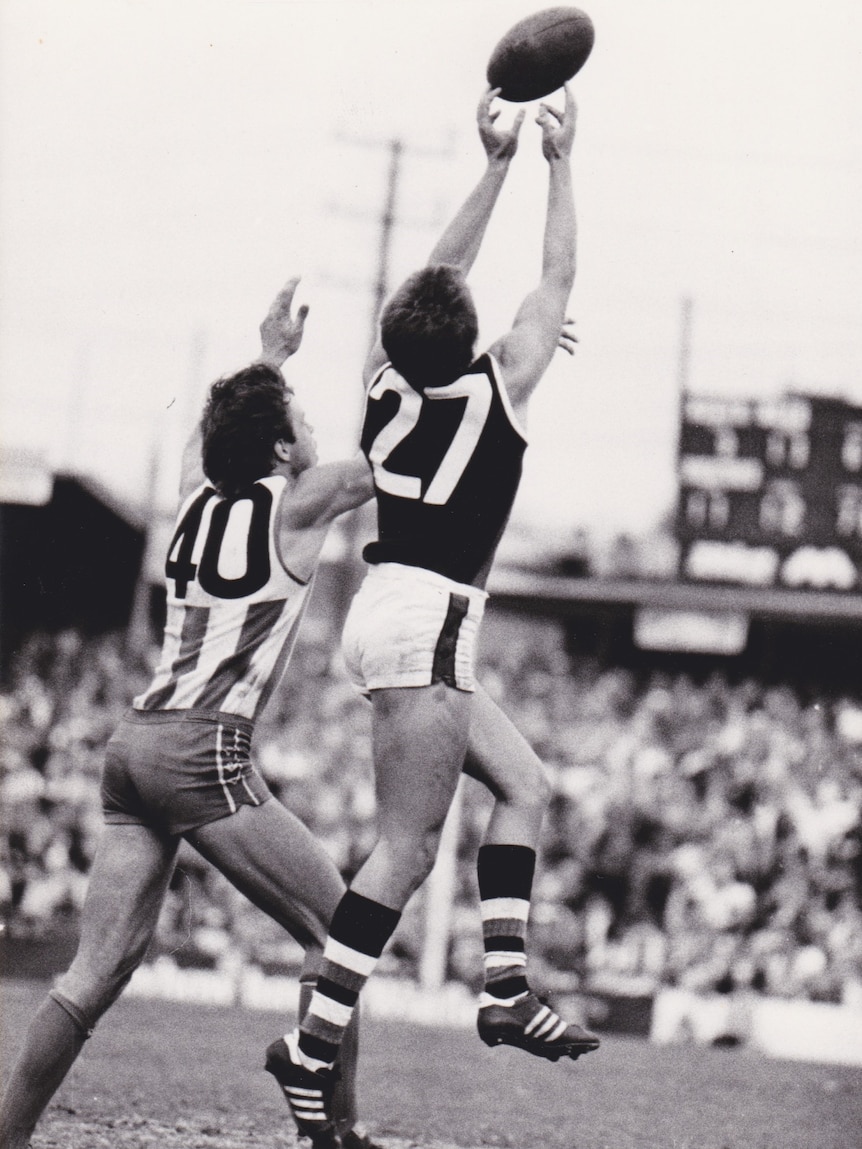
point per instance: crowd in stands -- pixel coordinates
(702, 834)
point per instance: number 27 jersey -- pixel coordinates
(233, 608)
(447, 465)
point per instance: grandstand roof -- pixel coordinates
(560, 594)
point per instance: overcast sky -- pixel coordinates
(167, 166)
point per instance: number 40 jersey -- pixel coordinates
(233, 608)
(447, 464)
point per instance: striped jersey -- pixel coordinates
(447, 464)
(233, 608)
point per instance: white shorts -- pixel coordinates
(408, 626)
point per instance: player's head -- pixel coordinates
(429, 327)
(251, 423)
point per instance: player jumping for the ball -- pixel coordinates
(443, 432)
(240, 566)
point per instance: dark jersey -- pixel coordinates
(447, 464)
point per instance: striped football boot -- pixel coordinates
(529, 1023)
(308, 1093)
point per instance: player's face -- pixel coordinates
(303, 451)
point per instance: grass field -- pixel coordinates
(169, 1075)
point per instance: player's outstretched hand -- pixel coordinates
(499, 144)
(558, 128)
(568, 341)
(281, 331)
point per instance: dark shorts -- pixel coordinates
(176, 770)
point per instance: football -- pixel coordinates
(541, 53)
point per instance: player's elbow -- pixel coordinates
(356, 490)
(559, 275)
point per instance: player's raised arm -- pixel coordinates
(326, 491)
(525, 352)
(280, 331)
(280, 337)
(459, 244)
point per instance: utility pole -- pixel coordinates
(683, 381)
(356, 522)
(683, 371)
(139, 632)
(387, 225)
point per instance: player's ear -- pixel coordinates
(282, 450)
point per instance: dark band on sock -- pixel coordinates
(316, 1048)
(339, 993)
(506, 872)
(508, 987)
(363, 924)
(500, 944)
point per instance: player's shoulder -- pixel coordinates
(489, 364)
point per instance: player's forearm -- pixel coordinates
(558, 256)
(460, 242)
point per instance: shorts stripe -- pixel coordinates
(255, 801)
(443, 668)
(228, 796)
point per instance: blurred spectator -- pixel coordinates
(706, 835)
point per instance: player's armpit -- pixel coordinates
(374, 361)
(525, 352)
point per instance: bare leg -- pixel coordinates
(128, 881)
(277, 863)
(510, 1014)
(500, 757)
(420, 737)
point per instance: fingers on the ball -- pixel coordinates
(488, 97)
(555, 112)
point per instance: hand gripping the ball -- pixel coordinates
(558, 128)
(499, 144)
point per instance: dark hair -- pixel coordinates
(429, 327)
(242, 421)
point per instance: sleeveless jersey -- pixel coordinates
(447, 464)
(233, 610)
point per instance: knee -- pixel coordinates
(530, 789)
(91, 986)
(411, 857)
(541, 786)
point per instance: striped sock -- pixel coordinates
(505, 884)
(359, 930)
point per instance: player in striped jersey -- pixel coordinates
(255, 510)
(444, 434)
